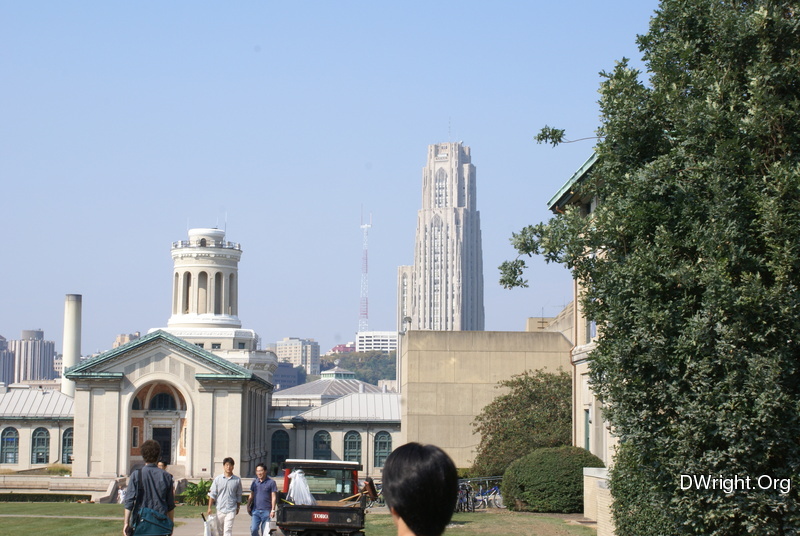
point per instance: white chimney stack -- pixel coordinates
(72, 340)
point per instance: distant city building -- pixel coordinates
(335, 417)
(443, 290)
(6, 362)
(285, 376)
(343, 348)
(376, 341)
(358, 426)
(299, 352)
(125, 338)
(33, 356)
(334, 383)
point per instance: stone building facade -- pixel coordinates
(447, 378)
(590, 429)
(200, 407)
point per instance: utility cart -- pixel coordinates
(339, 505)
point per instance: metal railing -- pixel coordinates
(224, 244)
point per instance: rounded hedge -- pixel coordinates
(548, 480)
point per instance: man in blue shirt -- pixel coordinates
(263, 500)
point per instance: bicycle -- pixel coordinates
(489, 498)
(466, 498)
(497, 498)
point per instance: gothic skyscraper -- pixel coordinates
(443, 290)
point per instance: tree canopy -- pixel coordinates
(691, 265)
(534, 413)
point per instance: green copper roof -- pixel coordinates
(230, 370)
(565, 192)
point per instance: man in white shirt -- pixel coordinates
(226, 493)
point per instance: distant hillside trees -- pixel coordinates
(301, 374)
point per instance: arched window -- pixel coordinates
(9, 446)
(280, 447)
(163, 402)
(352, 447)
(136, 404)
(322, 445)
(40, 446)
(383, 446)
(66, 446)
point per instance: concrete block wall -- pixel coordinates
(448, 377)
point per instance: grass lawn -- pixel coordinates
(66, 519)
(491, 522)
(65, 509)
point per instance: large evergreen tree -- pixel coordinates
(692, 268)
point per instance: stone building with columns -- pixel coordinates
(198, 406)
(201, 386)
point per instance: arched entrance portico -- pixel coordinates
(158, 410)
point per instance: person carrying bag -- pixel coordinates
(149, 502)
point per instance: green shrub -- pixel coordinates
(58, 469)
(548, 480)
(638, 501)
(465, 472)
(534, 413)
(196, 494)
(43, 497)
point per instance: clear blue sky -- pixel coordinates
(123, 122)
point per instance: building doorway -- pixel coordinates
(164, 438)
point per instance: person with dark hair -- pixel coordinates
(162, 465)
(369, 490)
(262, 501)
(420, 486)
(148, 487)
(226, 492)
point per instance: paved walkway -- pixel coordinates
(194, 526)
(241, 527)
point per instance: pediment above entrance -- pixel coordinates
(159, 352)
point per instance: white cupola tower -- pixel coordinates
(205, 301)
(205, 281)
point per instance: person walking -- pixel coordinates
(226, 493)
(263, 500)
(149, 487)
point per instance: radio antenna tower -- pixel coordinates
(363, 318)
